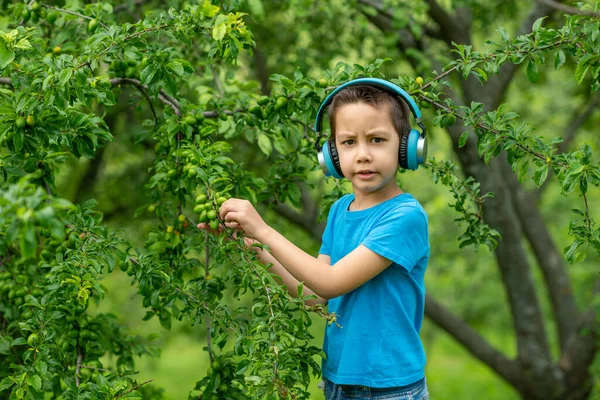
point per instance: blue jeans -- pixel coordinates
(415, 391)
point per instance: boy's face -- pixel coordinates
(367, 144)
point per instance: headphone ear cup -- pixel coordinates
(330, 161)
(335, 159)
(407, 155)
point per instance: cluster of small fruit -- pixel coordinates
(22, 122)
(35, 11)
(13, 289)
(222, 380)
(129, 68)
(257, 111)
(208, 208)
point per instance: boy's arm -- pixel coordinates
(326, 281)
(358, 267)
(287, 279)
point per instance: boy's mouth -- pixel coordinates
(365, 173)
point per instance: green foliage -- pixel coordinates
(64, 68)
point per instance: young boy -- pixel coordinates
(373, 256)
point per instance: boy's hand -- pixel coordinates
(241, 215)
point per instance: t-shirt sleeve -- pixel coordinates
(401, 236)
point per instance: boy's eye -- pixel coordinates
(377, 140)
(349, 141)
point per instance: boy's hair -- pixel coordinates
(399, 111)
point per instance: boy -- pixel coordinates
(373, 256)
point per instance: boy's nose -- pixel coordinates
(363, 154)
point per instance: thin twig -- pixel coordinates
(78, 367)
(74, 13)
(140, 87)
(134, 388)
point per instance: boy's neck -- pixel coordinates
(363, 201)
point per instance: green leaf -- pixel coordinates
(559, 59)
(219, 31)
(35, 381)
(537, 24)
(6, 55)
(6, 383)
(581, 71)
(208, 9)
(265, 145)
(462, 140)
(532, 71)
(64, 76)
(18, 342)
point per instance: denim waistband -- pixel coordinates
(386, 389)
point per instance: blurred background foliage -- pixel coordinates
(313, 36)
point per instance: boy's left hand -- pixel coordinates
(241, 214)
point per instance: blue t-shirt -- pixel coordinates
(378, 344)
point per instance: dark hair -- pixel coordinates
(375, 97)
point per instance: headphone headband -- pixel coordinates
(375, 82)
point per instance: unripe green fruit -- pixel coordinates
(221, 200)
(151, 208)
(181, 218)
(93, 25)
(256, 110)
(211, 214)
(35, 6)
(199, 209)
(20, 122)
(249, 120)
(172, 173)
(46, 255)
(30, 120)
(424, 104)
(280, 103)
(215, 365)
(192, 172)
(203, 217)
(189, 120)
(26, 14)
(52, 17)
(323, 83)
(264, 100)
(214, 224)
(32, 339)
(201, 198)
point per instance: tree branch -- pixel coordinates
(140, 87)
(568, 9)
(450, 30)
(133, 388)
(472, 341)
(547, 255)
(307, 219)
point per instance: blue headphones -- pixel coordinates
(413, 145)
